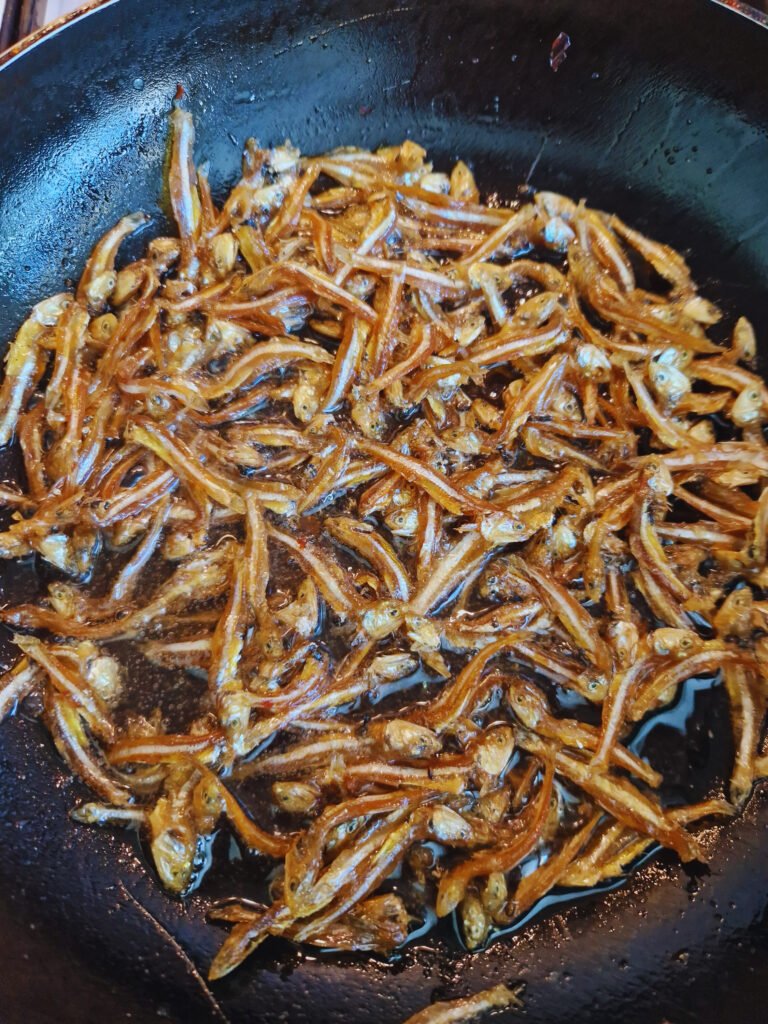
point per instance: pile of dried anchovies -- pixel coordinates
(439, 499)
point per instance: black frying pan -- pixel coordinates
(659, 113)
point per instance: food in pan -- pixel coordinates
(462, 1011)
(440, 497)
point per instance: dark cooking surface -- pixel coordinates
(657, 113)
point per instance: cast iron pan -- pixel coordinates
(658, 113)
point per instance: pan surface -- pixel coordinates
(657, 113)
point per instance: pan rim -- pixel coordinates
(8, 57)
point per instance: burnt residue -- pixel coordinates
(559, 50)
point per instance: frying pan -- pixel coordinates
(658, 113)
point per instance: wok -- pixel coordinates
(658, 113)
